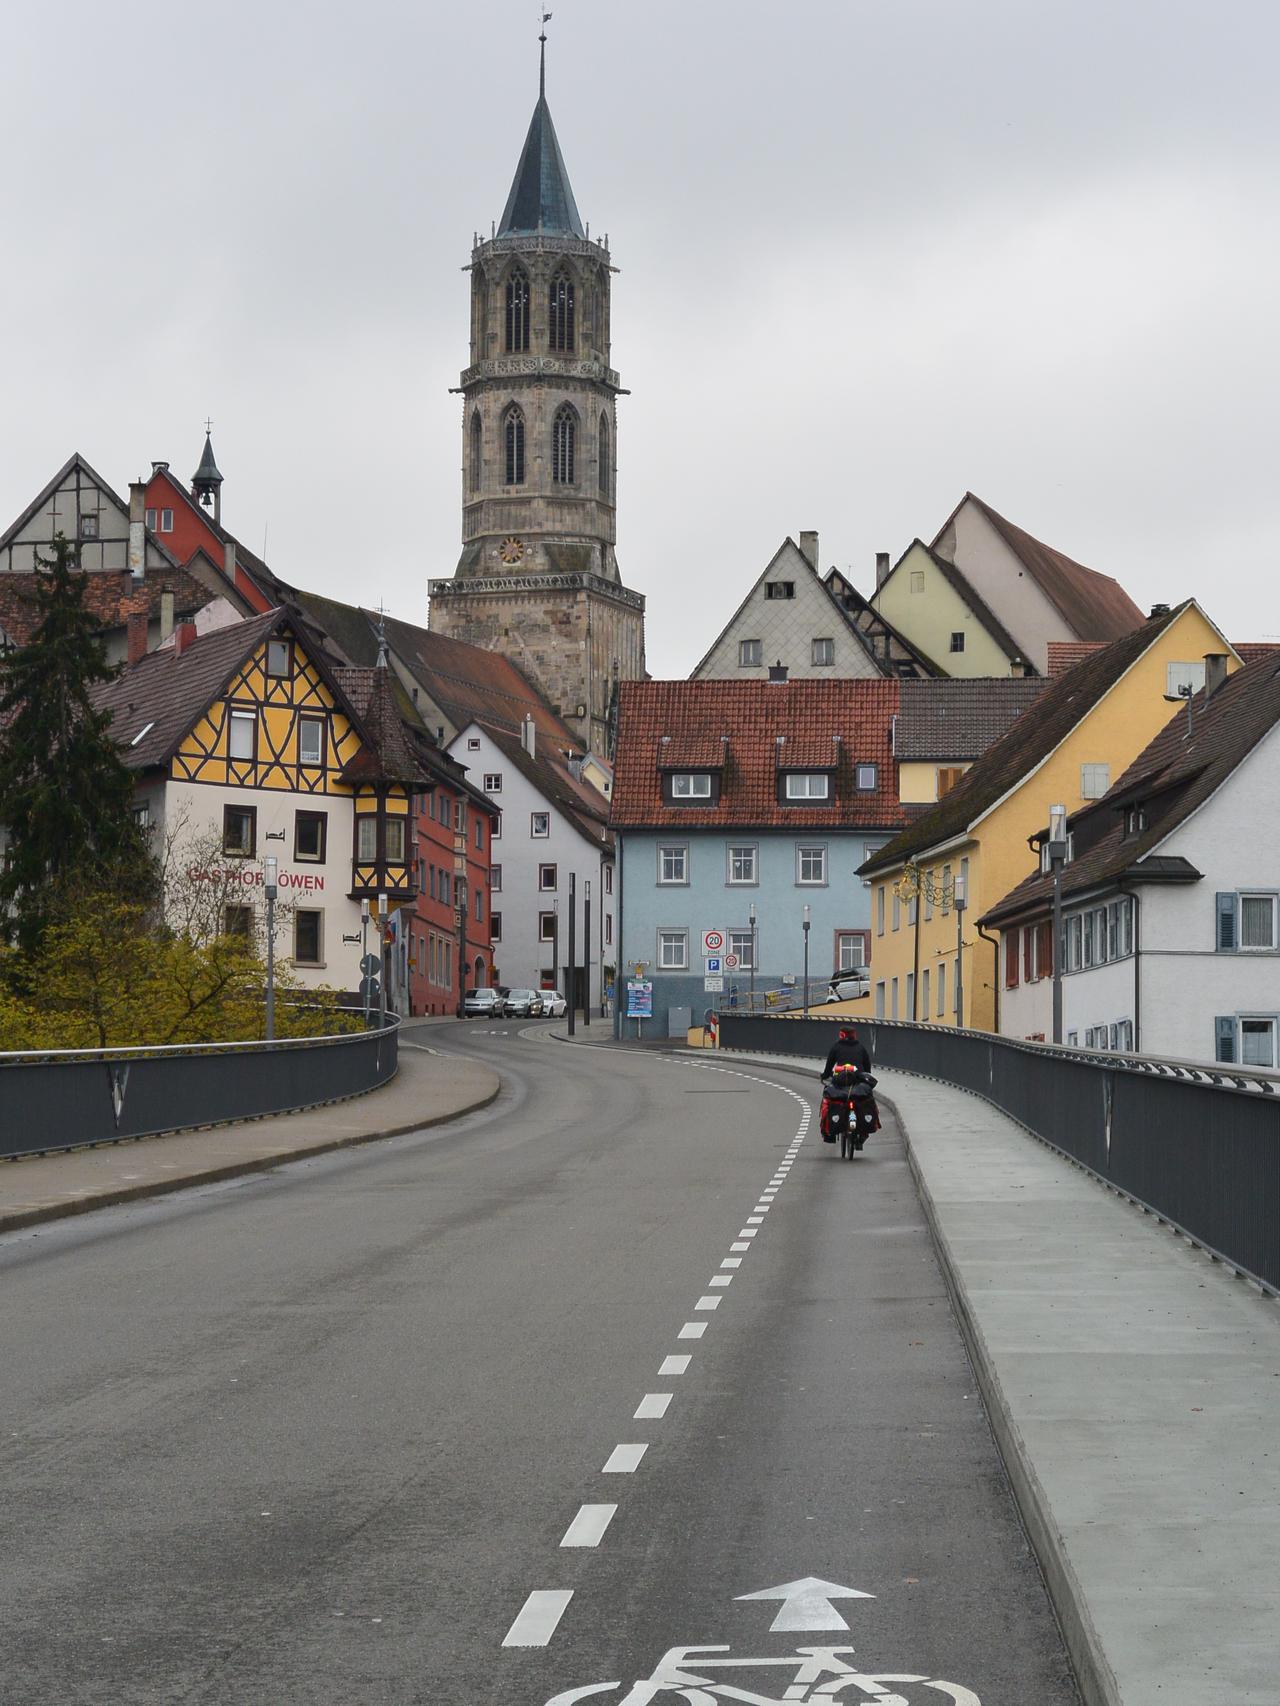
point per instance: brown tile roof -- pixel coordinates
(960, 719)
(1066, 654)
(1094, 606)
(389, 752)
(1171, 778)
(753, 714)
(107, 598)
(585, 807)
(808, 752)
(691, 752)
(1032, 738)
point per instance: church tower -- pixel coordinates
(538, 576)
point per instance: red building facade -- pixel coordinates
(451, 916)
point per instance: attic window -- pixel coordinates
(1135, 820)
(690, 785)
(865, 778)
(89, 526)
(473, 745)
(279, 657)
(807, 785)
(780, 589)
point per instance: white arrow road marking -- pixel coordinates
(675, 1365)
(806, 1604)
(587, 1528)
(624, 1459)
(538, 1618)
(653, 1406)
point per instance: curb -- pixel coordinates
(234, 1170)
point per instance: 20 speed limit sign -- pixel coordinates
(712, 941)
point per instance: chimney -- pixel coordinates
(1158, 610)
(136, 629)
(166, 613)
(575, 767)
(882, 567)
(778, 671)
(183, 636)
(529, 736)
(1215, 672)
(809, 548)
(137, 531)
(159, 467)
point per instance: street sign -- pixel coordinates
(731, 962)
(369, 992)
(371, 965)
(639, 999)
(712, 942)
(713, 986)
(712, 966)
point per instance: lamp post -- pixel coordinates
(1057, 859)
(959, 899)
(807, 921)
(270, 888)
(573, 949)
(364, 954)
(555, 945)
(751, 919)
(586, 953)
(384, 962)
(460, 901)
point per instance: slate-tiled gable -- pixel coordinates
(753, 715)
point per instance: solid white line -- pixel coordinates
(653, 1407)
(538, 1618)
(692, 1330)
(675, 1365)
(624, 1459)
(587, 1528)
(707, 1303)
(732, 1262)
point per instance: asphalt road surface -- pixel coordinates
(510, 1411)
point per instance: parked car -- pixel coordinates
(483, 1004)
(850, 985)
(553, 1004)
(524, 1004)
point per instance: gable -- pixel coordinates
(80, 504)
(929, 602)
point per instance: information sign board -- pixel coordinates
(639, 999)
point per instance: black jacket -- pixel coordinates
(847, 1054)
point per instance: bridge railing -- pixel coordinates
(1197, 1144)
(66, 1098)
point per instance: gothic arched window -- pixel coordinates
(604, 469)
(518, 311)
(563, 436)
(477, 452)
(513, 431)
(560, 318)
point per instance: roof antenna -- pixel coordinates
(542, 57)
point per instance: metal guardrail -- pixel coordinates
(1197, 1144)
(67, 1098)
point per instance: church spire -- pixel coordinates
(541, 197)
(206, 482)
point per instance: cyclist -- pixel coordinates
(847, 1051)
(847, 1058)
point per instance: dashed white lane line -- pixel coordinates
(731, 1262)
(653, 1406)
(587, 1528)
(675, 1365)
(754, 1220)
(692, 1330)
(707, 1303)
(624, 1459)
(742, 1243)
(538, 1618)
(722, 1279)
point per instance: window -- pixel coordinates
(242, 730)
(742, 943)
(917, 580)
(142, 816)
(608, 929)
(479, 835)
(822, 652)
(750, 654)
(479, 906)
(166, 521)
(445, 885)
(476, 466)
(1257, 921)
(493, 782)
(947, 890)
(673, 864)
(279, 657)
(942, 989)
(546, 876)
(473, 745)
(811, 865)
(691, 785)
(865, 778)
(742, 865)
(495, 879)
(513, 439)
(89, 526)
(308, 937)
(1095, 779)
(560, 327)
(495, 829)
(237, 921)
(880, 1001)
(780, 589)
(880, 910)
(1257, 1042)
(367, 839)
(608, 879)
(495, 926)
(518, 311)
(151, 521)
(948, 776)
(395, 838)
(897, 911)
(957, 642)
(309, 835)
(807, 785)
(853, 950)
(673, 950)
(603, 469)
(1094, 938)
(459, 814)
(893, 998)
(1184, 678)
(546, 926)
(311, 741)
(564, 432)
(539, 825)
(240, 830)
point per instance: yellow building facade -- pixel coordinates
(1071, 747)
(921, 597)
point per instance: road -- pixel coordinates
(321, 1436)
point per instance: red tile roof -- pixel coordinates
(1066, 654)
(753, 714)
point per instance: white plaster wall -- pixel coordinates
(1026, 1011)
(982, 556)
(1102, 995)
(786, 628)
(520, 956)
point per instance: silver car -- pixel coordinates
(850, 985)
(524, 1004)
(483, 1004)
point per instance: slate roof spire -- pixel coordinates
(206, 482)
(541, 197)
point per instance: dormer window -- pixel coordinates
(690, 785)
(806, 785)
(1135, 820)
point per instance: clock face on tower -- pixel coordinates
(511, 550)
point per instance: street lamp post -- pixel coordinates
(573, 950)
(555, 945)
(364, 954)
(959, 899)
(460, 901)
(751, 918)
(384, 962)
(807, 921)
(1057, 859)
(271, 889)
(586, 953)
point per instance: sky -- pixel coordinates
(874, 253)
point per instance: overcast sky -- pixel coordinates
(873, 255)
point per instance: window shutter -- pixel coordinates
(1228, 934)
(1011, 960)
(1045, 949)
(1225, 1029)
(1028, 952)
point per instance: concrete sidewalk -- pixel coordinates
(1134, 1389)
(428, 1089)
